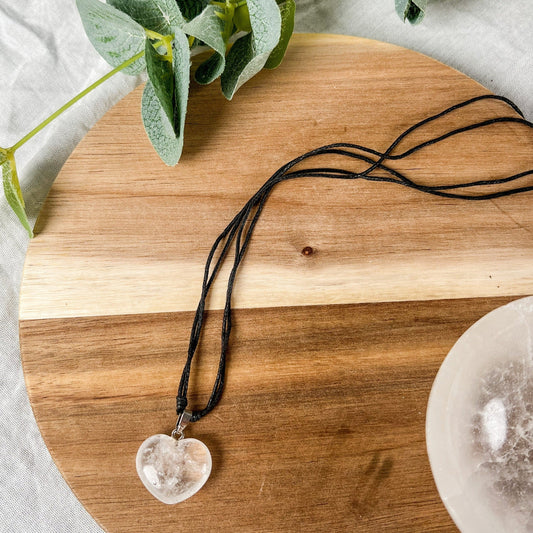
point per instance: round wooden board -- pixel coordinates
(321, 426)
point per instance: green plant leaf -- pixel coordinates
(114, 34)
(158, 127)
(210, 69)
(208, 28)
(249, 54)
(412, 10)
(191, 8)
(161, 74)
(161, 16)
(166, 136)
(287, 10)
(13, 193)
(181, 60)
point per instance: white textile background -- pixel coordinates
(45, 59)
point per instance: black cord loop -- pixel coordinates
(239, 231)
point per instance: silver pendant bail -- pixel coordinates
(183, 420)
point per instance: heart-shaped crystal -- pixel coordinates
(173, 469)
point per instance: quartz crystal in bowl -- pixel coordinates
(479, 424)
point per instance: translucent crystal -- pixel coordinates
(479, 425)
(171, 469)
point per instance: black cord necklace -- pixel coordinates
(173, 468)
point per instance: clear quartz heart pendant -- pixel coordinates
(173, 468)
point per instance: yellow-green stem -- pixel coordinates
(71, 102)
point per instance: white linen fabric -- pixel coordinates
(45, 59)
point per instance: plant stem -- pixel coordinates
(71, 102)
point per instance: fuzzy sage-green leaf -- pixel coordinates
(208, 28)
(411, 10)
(161, 74)
(115, 35)
(191, 8)
(250, 53)
(13, 193)
(160, 16)
(181, 61)
(165, 135)
(287, 10)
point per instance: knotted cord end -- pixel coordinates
(181, 404)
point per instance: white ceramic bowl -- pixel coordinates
(479, 424)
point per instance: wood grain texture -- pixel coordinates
(321, 426)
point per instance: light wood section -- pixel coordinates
(321, 426)
(124, 233)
